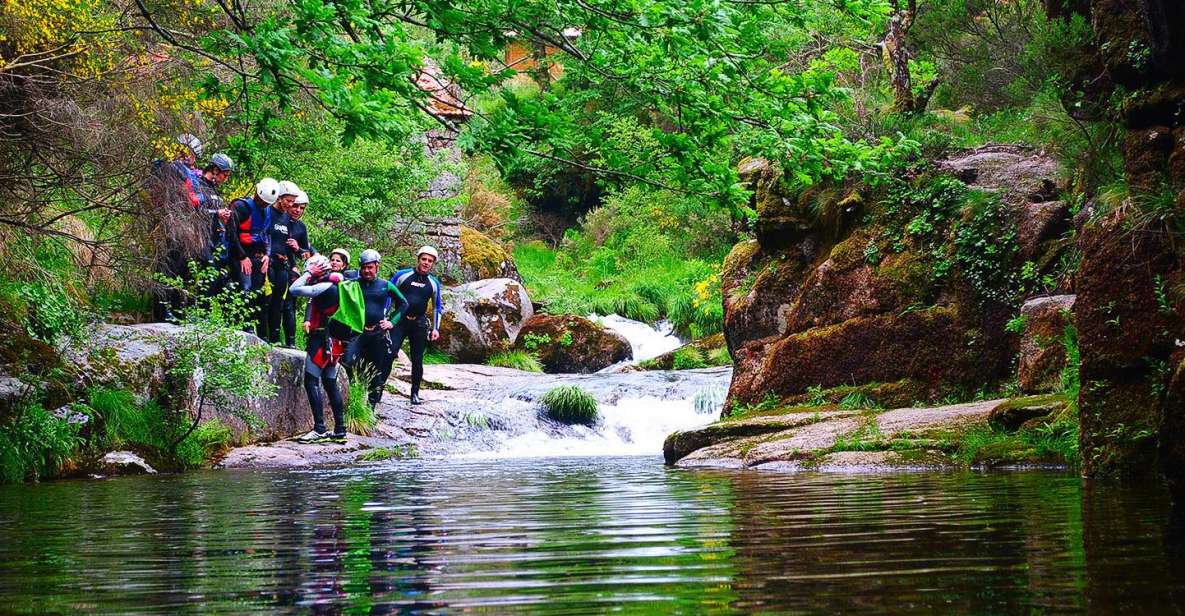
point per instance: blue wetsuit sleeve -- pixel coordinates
(438, 307)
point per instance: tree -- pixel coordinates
(895, 53)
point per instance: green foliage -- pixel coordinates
(534, 342)
(643, 255)
(210, 439)
(1016, 325)
(35, 444)
(518, 360)
(688, 358)
(858, 401)
(867, 437)
(570, 404)
(435, 356)
(1055, 441)
(360, 416)
(719, 357)
(210, 348)
(397, 452)
(1069, 377)
(986, 249)
(769, 402)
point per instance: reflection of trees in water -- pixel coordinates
(1132, 554)
(954, 542)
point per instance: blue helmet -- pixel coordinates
(222, 161)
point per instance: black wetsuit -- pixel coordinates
(415, 326)
(247, 238)
(382, 302)
(277, 275)
(300, 233)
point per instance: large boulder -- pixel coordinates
(1042, 349)
(571, 344)
(482, 257)
(482, 318)
(137, 359)
(838, 303)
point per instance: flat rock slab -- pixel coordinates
(792, 448)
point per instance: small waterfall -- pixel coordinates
(647, 342)
(637, 412)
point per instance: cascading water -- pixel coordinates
(647, 342)
(638, 410)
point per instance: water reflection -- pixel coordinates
(582, 536)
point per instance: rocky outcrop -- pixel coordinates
(707, 351)
(441, 232)
(137, 359)
(835, 292)
(1042, 344)
(570, 344)
(807, 438)
(124, 463)
(482, 257)
(482, 318)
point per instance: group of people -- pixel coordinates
(354, 317)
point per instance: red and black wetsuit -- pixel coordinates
(322, 351)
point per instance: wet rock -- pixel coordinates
(798, 438)
(1019, 173)
(1042, 352)
(1146, 155)
(572, 344)
(1039, 223)
(12, 391)
(124, 463)
(482, 318)
(482, 257)
(1011, 415)
(137, 359)
(1125, 339)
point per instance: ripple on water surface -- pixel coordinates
(583, 535)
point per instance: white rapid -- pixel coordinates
(638, 410)
(647, 342)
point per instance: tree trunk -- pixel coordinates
(896, 58)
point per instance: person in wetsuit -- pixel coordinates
(247, 236)
(382, 305)
(298, 249)
(280, 262)
(419, 286)
(322, 351)
(217, 213)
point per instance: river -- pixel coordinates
(518, 515)
(584, 535)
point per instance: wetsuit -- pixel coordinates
(247, 236)
(419, 289)
(300, 233)
(277, 274)
(322, 352)
(382, 301)
(214, 252)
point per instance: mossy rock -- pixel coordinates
(708, 350)
(482, 258)
(568, 344)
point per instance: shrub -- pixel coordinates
(518, 360)
(569, 404)
(35, 444)
(207, 441)
(687, 358)
(434, 356)
(360, 417)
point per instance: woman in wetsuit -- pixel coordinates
(322, 351)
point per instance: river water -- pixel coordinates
(585, 535)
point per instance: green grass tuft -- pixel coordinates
(570, 405)
(360, 417)
(518, 360)
(398, 452)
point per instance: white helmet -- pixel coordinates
(288, 188)
(369, 255)
(428, 250)
(321, 261)
(302, 197)
(193, 143)
(268, 190)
